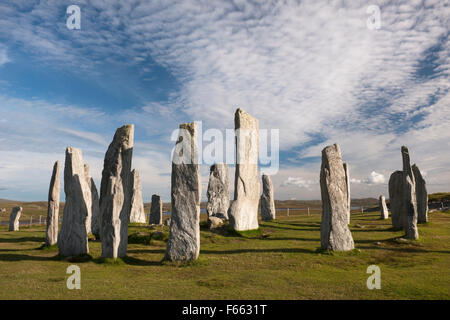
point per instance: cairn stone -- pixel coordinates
(184, 237)
(214, 222)
(73, 237)
(383, 208)
(16, 212)
(347, 182)
(95, 206)
(51, 235)
(267, 202)
(156, 210)
(396, 200)
(334, 231)
(421, 195)
(115, 193)
(409, 188)
(244, 208)
(137, 214)
(167, 222)
(218, 191)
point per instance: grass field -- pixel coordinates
(281, 261)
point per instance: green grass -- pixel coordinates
(281, 260)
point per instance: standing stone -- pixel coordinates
(421, 196)
(137, 214)
(184, 237)
(244, 207)
(334, 231)
(409, 188)
(73, 237)
(267, 201)
(14, 218)
(347, 182)
(95, 207)
(218, 191)
(115, 195)
(51, 236)
(396, 200)
(156, 212)
(383, 208)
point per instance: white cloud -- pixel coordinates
(298, 182)
(3, 56)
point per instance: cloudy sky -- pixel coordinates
(312, 69)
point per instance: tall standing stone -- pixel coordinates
(396, 200)
(334, 231)
(95, 206)
(115, 195)
(218, 191)
(383, 208)
(16, 212)
(137, 214)
(73, 237)
(184, 237)
(347, 182)
(51, 235)
(267, 200)
(244, 208)
(156, 212)
(421, 195)
(409, 188)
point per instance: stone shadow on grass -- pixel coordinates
(23, 239)
(237, 251)
(24, 257)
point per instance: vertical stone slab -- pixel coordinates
(51, 235)
(244, 208)
(396, 200)
(409, 189)
(421, 195)
(94, 221)
(73, 237)
(347, 182)
(115, 195)
(334, 231)
(16, 212)
(218, 191)
(156, 212)
(267, 201)
(137, 214)
(383, 208)
(184, 238)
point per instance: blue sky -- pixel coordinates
(313, 70)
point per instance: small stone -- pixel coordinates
(218, 191)
(16, 212)
(396, 199)
(421, 195)
(383, 208)
(137, 214)
(267, 202)
(167, 222)
(156, 210)
(214, 222)
(51, 235)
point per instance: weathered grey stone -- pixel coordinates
(334, 231)
(73, 237)
(51, 235)
(396, 200)
(383, 208)
(137, 214)
(421, 195)
(409, 189)
(267, 202)
(16, 212)
(184, 238)
(115, 193)
(214, 222)
(156, 212)
(244, 207)
(347, 182)
(167, 222)
(95, 204)
(218, 191)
